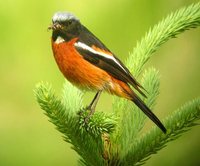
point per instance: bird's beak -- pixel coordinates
(54, 26)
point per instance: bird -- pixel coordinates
(89, 65)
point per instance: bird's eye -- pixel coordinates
(69, 22)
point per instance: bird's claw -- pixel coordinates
(86, 115)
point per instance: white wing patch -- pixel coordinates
(86, 47)
(59, 40)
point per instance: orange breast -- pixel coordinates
(77, 70)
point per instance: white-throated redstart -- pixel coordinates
(87, 63)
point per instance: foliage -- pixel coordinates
(116, 139)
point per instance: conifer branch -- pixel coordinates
(69, 123)
(174, 24)
(129, 116)
(151, 142)
(115, 139)
(132, 119)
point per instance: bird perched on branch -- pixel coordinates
(88, 64)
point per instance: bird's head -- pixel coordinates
(65, 25)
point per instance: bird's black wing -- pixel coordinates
(104, 59)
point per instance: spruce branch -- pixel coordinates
(174, 24)
(133, 119)
(151, 82)
(115, 139)
(69, 123)
(130, 118)
(151, 142)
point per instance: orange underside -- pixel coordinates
(84, 74)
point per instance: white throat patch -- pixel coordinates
(59, 40)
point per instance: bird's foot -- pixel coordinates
(86, 113)
(89, 115)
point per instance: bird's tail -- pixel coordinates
(148, 112)
(126, 92)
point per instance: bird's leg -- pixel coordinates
(92, 105)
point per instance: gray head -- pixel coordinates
(61, 17)
(65, 24)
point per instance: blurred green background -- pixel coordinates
(26, 136)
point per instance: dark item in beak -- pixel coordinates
(54, 27)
